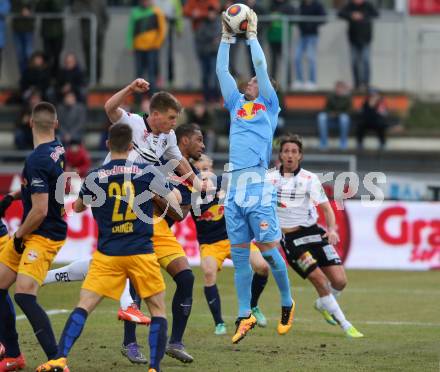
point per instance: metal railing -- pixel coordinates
(289, 20)
(423, 32)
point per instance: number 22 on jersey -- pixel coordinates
(117, 191)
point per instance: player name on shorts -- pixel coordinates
(125, 228)
(118, 169)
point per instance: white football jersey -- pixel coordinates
(297, 198)
(148, 147)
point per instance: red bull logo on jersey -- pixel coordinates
(214, 213)
(249, 110)
(264, 225)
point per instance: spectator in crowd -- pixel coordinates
(23, 25)
(197, 10)
(201, 115)
(173, 11)
(147, 29)
(5, 7)
(52, 32)
(23, 133)
(35, 77)
(275, 31)
(71, 78)
(77, 158)
(207, 37)
(373, 116)
(359, 14)
(72, 116)
(307, 44)
(99, 9)
(336, 113)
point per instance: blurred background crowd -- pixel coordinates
(75, 53)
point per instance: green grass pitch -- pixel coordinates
(399, 313)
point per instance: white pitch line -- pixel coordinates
(48, 312)
(397, 323)
(301, 320)
(373, 290)
(349, 289)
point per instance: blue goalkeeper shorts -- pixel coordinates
(251, 214)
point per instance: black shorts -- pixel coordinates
(306, 249)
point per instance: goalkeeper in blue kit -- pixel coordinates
(250, 209)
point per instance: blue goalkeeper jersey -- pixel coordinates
(253, 123)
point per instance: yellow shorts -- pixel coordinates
(220, 250)
(3, 240)
(108, 274)
(165, 243)
(36, 259)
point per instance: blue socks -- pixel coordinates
(243, 279)
(8, 333)
(279, 271)
(157, 340)
(72, 330)
(258, 284)
(39, 321)
(182, 303)
(213, 299)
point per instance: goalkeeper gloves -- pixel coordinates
(227, 35)
(5, 203)
(251, 32)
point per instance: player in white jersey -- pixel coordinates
(309, 248)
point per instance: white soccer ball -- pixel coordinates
(236, 18)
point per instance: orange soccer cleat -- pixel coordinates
(133, 314)
(12, 364)
(55, 365)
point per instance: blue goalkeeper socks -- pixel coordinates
(8, 333)
(72, 330)
(213, 299)
(279, 271)
(157, 340)
(243, 279)
(39, 321)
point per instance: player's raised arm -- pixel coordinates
(112, 106)
(265, 87)
(228, 86)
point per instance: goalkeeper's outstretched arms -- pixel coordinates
(228, 86)
(258, 58)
